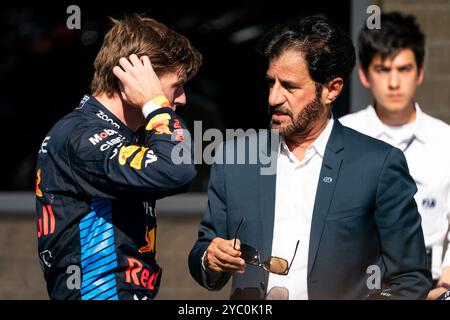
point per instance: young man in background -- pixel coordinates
(392, 68)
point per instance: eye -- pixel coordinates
(381, 69)
(270, 82)
(405, 69)
(179, 89)
(289, 86)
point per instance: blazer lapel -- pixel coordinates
(327, 182)
(267, 192)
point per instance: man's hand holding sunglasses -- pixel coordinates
(224, 256)
(231, 256)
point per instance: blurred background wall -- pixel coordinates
(45, 69)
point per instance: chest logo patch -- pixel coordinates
(327, 179)
(429, 203)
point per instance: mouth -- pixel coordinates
(278, 117)
(395, 97)
(280, 113)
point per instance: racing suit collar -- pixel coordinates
(91, 105)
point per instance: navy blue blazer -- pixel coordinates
(365, 216)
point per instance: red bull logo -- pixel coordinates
(160, 123)
(150, 237)
(141, 276)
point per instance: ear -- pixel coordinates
(332, 90)
(420, 75)
(363, 77)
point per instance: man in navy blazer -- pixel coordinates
(338, 219)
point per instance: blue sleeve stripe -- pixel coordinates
(94, 235)
(101, 254)
(98, 253)
(86, 223)
(95, 242)
(100, 289)
(99, 263)
(95, 284)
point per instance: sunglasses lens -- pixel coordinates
(249, 254)
(277, 265)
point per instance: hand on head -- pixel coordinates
(138, 81)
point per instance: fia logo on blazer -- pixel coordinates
(327, 179)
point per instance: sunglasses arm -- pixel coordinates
(295, 252)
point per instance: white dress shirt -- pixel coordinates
(426, 145)
(296, 185)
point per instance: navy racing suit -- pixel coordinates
(96, 187)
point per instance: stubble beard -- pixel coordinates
(302, 122)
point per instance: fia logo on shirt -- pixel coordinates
(429, 203)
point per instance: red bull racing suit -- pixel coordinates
(96, 187)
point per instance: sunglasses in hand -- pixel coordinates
(251, 256)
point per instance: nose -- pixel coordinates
(275, 95)
(394, 81)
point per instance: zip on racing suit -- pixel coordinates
(96, 187)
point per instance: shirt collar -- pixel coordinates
(320, 143)
(378, 128)
(420, 131)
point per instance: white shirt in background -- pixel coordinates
(426, 145)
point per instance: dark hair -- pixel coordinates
(168, 50)
(397, 32)
(327, 50)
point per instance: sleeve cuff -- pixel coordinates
(210, 278)
(203, 261)
(155, 104)
(149, 107)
